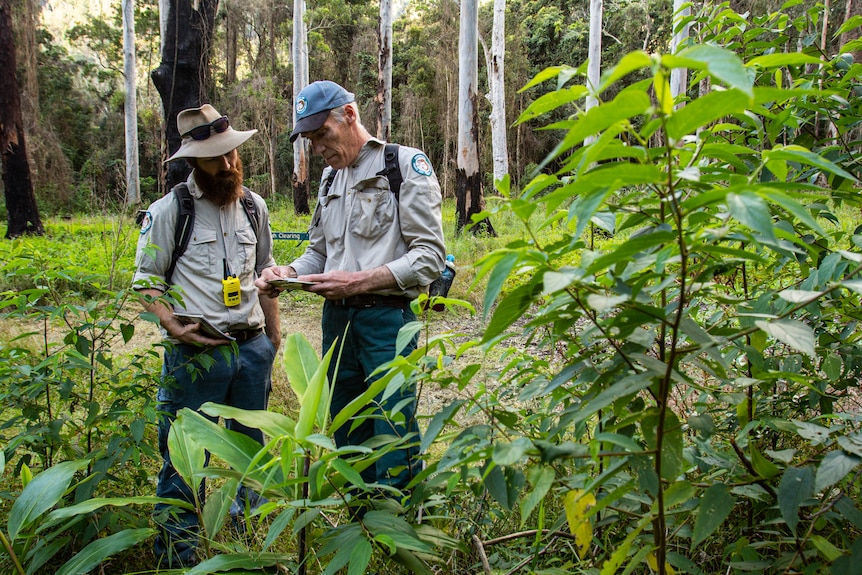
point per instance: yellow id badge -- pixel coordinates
(230, 289)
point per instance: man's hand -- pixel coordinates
(340, 284)
(272, 273)
(191, 334)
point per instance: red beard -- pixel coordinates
(222, 188)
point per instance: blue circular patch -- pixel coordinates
(146, 222)
(421, 164)
(301, 105)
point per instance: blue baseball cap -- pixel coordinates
(314, 103)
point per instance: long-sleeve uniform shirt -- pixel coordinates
(219, 233)
(358, 223)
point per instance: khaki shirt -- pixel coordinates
(219, 233)
(359, 225)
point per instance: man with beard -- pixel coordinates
(229, 246)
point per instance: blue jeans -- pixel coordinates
(242, 381)
(370, 342)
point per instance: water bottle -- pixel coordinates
(440, 286)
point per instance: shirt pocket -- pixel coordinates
(200, 254)
(247, 242)
(373, 209)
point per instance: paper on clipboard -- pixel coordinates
(289, 284)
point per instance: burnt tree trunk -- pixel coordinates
(22, 213)
(182, 78)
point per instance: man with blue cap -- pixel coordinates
(370, 253)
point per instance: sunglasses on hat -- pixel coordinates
(201, 133)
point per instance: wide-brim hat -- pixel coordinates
(217, 144)
(313, 104)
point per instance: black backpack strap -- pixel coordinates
(391, 169)
(329, 180)
(251, 211)
(185, 225)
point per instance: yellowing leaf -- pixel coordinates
(653, 564)
(577, 504)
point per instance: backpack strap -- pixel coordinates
(329, 180)
(251, 211)
(392, 170)
(185, 225)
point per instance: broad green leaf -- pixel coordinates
(661, 88)
(553, 281)
(552, 101)
(750, 210)
(96, 552)
(271, 423)
(797, 485)
(504, 484)
(783, 59)
(715, 505)
(625, 387)
(499, 274)
(672, 460)
(313, 409)
(763, 466)
(602, 303)
(829, 551)
(704, 111)
(350, 474)
(506, 453)
(547, 74)
(577, 504)
(611, 566)
(723, 65)
(541, 478)
(510, 309)
(631, 248)
(798, 295)
(796, 334)
(252, 562)
(300, 362)
(91, 505)
(187, 456)
(802, 155)
(406, 335)
(437, 422)
(631, 62)
(360, 555)
(836, 465)
(42, 493)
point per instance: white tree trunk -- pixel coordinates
(594, 67)
(301, 158)
(468, 57)
(384, 72)
(133, 186)
(497, 96)
(679, 76)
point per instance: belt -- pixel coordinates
(373, 300)
(243, 335)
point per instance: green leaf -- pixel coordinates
(802, 155)
(187, 456)
(314, 407)
(783, 59)
(41, 494)
(360, 555)
(300, 362)
(723, 65)
(763, 466)
(836, 465)
(510, 309)
(230, 562)
(750, 210)
(797, 485)
(541, 478)
(796, 334)
(631, 248)
(96, 552)
(705, 110)
(552, 101)
(715, 505)
(672, 460)
(631, 62)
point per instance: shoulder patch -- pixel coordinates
(421, 164)
(146, 222)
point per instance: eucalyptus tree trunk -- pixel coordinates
(182, 77)
(679, 76)
(22, 215)
(133, 187)
(497, 96)
(231, 32)
(384, 72)
(594, 68)
(301, 153)
(468, 179)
